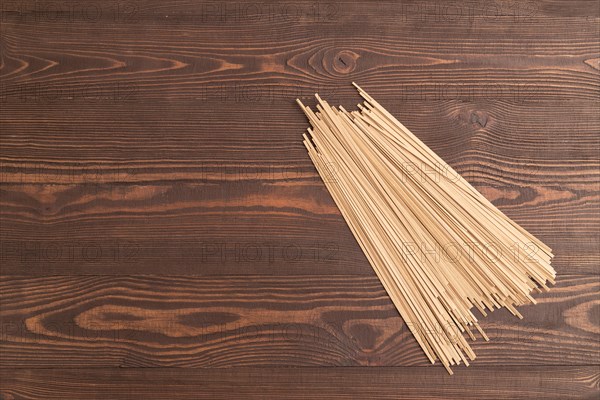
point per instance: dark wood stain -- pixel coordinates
(163, 233)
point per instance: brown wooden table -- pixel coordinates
(164, 234)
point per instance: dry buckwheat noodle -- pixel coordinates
(439, 247)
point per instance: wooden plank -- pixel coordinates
(498, 382)
(152, 321)
(264, 226)
(427, 44)
(563, 65)
(198, 142)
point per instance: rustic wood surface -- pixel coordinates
(164, 234)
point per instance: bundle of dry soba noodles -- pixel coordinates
(439, 247)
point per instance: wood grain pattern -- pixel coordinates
(158, 208)
(499, 383)
(256, 321)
